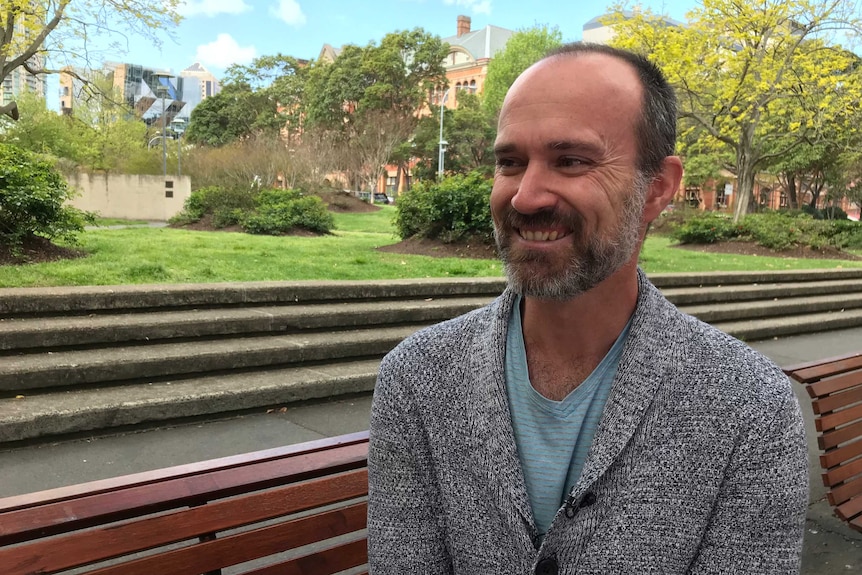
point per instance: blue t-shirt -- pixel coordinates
(554, 437)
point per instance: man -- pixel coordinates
(581, 423)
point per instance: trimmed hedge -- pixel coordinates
(774, 230)
(455, 209)
(268, 211)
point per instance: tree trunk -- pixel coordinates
(744, 189)
(792, 199)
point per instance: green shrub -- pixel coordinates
(225, 217)
(454, 209)
(271, 197)
(275, 218)
(774, 230)
(214, 199)
(706, 228)
(33, 198)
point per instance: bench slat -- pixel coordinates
(247, 546)
(796, 368)
(842, 473)
(82, 548)
(819, 371)
(836, 437)
(838, 400)
(825, 387)
(848, 490)
(835, 419)
(70, 515)
(850, 509)
(325, 562)
(197, 468)
(836, 456)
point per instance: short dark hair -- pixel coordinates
(656, 130)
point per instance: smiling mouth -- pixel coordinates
(541, 235)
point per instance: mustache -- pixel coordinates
(542, 219)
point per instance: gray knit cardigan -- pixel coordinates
(699, 463)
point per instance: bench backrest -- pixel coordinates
(835, 387)
(254, 509)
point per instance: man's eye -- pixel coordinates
(570, 162)
(503, 163)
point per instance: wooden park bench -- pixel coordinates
(835, 387)
(297, 509)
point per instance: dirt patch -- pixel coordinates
(36, 250)
(752, 249)
(346, 202)
(438, 249)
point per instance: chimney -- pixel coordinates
(463, 25)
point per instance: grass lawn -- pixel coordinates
(164, 255)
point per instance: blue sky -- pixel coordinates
(220, 32)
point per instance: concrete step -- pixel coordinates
(22, 302)
(752, 330)
(692, 279)
(68, 331)
(92, 359)
(144, 362)
(737, 293)
(59, 413)
(757, 309)
(19, 302)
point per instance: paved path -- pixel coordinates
(830, 548)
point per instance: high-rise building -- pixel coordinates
(207, 83)
(20, 80)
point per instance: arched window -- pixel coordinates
(472, 86)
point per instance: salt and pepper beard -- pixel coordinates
(593, 259)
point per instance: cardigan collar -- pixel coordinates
(637, 380)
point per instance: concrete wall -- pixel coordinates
(130, 197)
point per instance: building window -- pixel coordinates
(782, 200)
(692, 196)
(392, 183)
(720, 197)
(472, 86)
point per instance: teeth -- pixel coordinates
(532, 236)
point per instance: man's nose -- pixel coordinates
(534, 193)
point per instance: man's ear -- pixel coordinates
(662, 188)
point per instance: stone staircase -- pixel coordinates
(88, 360)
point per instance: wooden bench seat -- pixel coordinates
(251, 513)
(835, 387)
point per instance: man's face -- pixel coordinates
(568, 200)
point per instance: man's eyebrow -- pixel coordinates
(556, 146)
(578, 146)
(504, 148)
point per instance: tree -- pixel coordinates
(744, 70)
(523, 49)
(469, 130)
(32, 32)
(366, 102)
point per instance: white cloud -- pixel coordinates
(475, 6)
(289, 11)
(212, 7)
(224, 51)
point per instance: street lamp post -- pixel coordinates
(179, 127)
(162, 90)
(442, 143)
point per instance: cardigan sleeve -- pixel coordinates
(405, 534)
(758, 521)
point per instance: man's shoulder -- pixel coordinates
(447, 339)
(711, 361)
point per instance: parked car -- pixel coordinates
(381, 198)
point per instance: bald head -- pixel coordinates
(655, 125)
